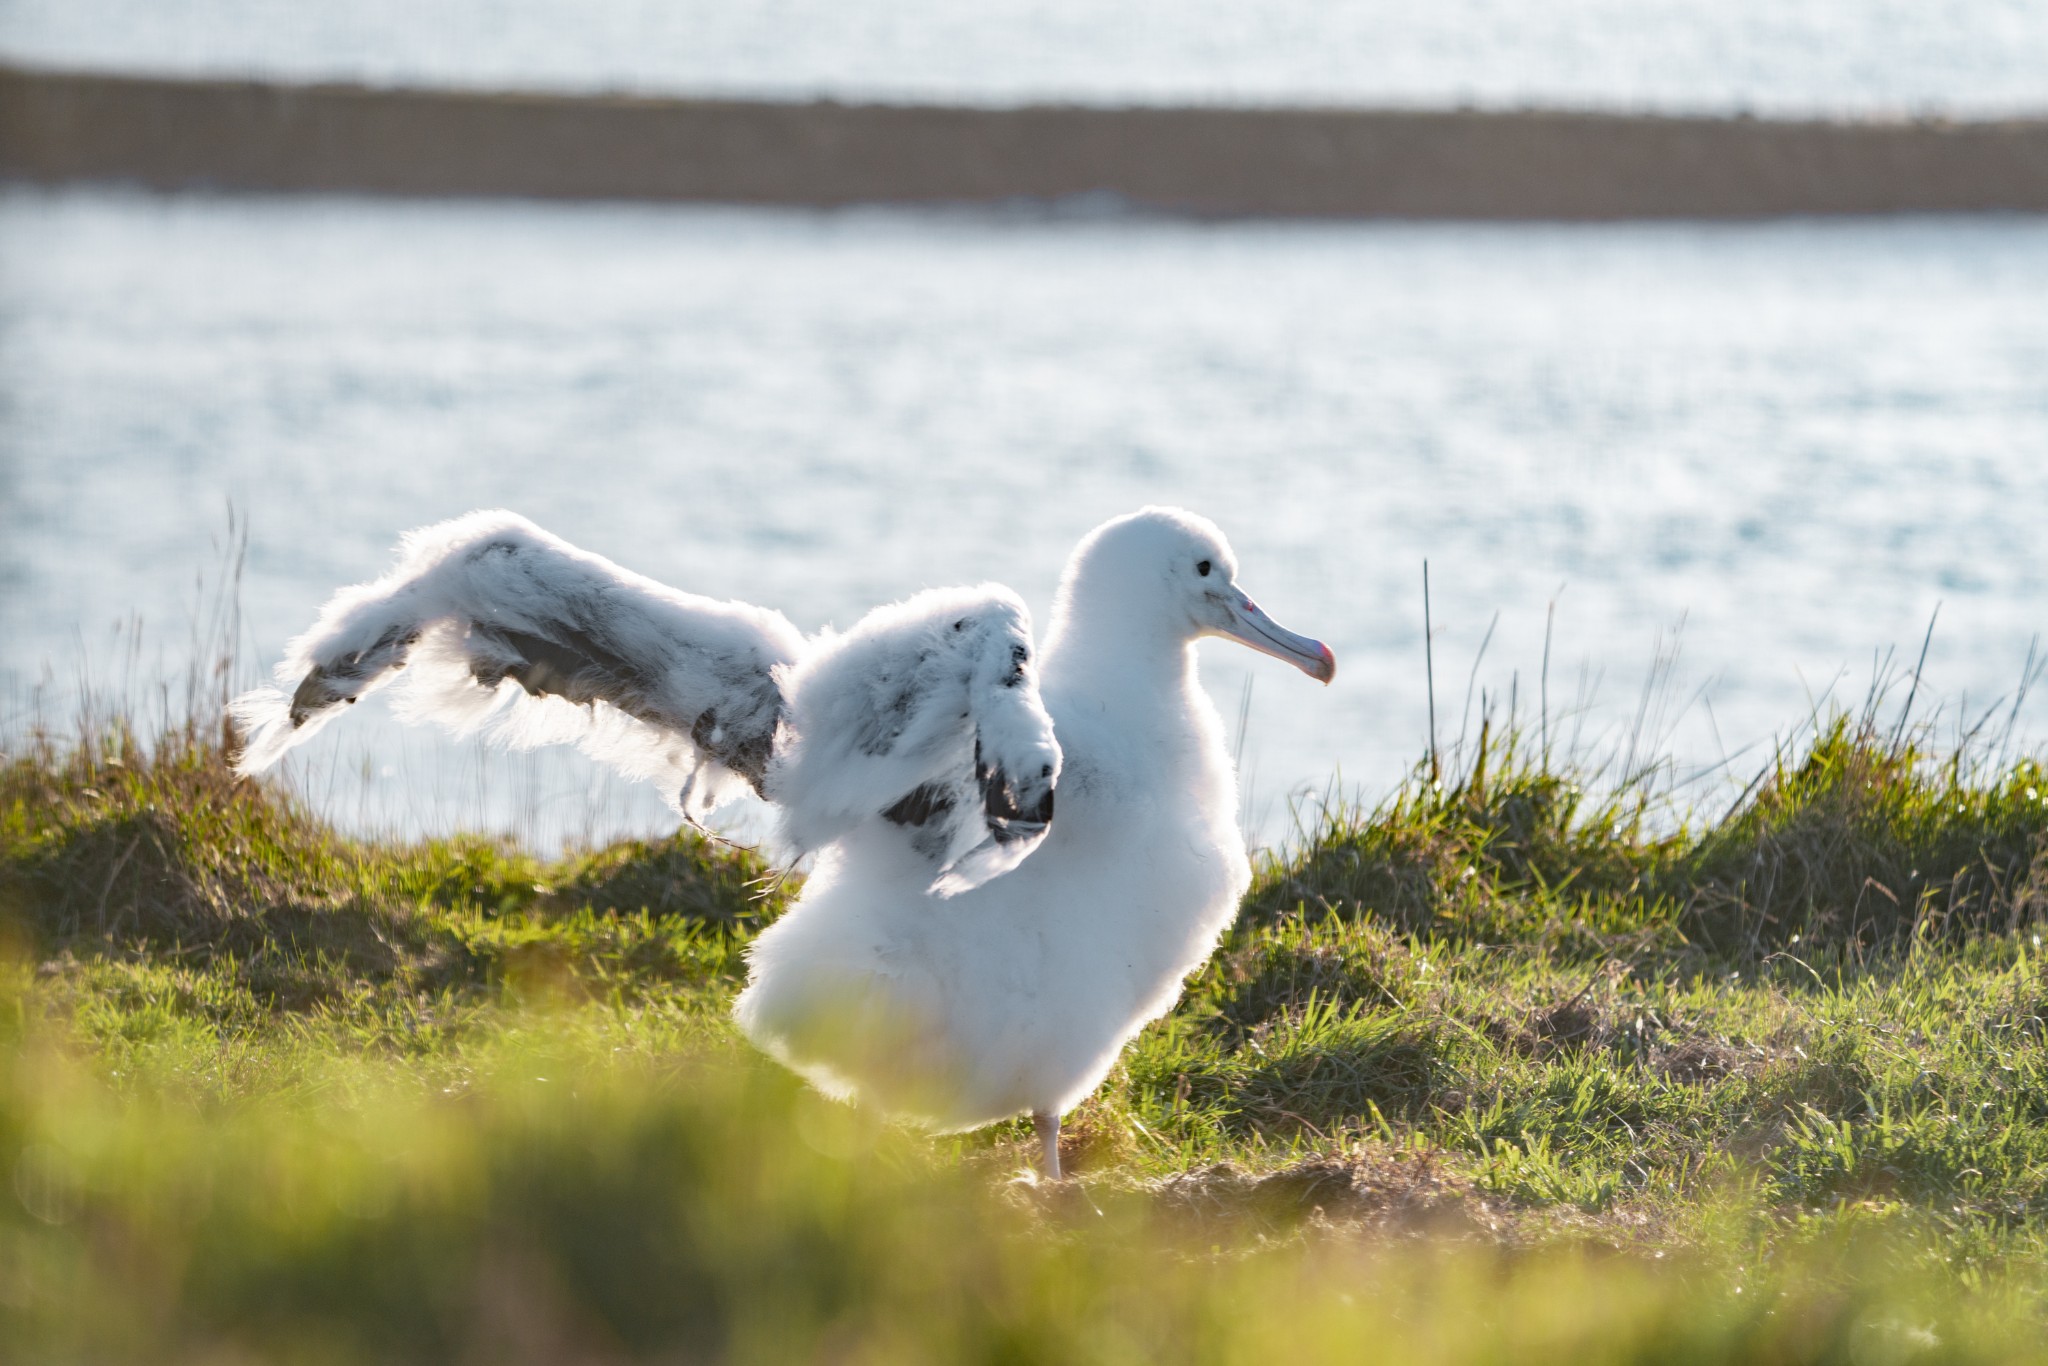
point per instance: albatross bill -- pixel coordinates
(1250, 626)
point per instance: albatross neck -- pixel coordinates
(1119, 660)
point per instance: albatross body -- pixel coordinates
(1017, 996)
(957, 956)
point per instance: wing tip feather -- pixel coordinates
(982, 864)
(263, 724)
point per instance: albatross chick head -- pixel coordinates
(1169, 575)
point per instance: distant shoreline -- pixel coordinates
(178, 134)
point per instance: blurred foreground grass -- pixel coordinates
(1500, 1071)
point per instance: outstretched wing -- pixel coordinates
(497, 623)
(923, 722)
(925, 718)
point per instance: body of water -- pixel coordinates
(1680, 55)
(1780, 445)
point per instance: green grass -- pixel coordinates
(1503, 1070)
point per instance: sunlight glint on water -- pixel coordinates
(1796, 439)
(1696, 55)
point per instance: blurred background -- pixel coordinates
(1679, 482)
(1713, 56)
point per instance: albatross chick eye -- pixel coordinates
(1203, 569)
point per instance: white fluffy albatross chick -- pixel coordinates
(1016, 996)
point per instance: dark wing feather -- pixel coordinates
(927, 716)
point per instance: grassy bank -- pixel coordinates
(1504, 1070)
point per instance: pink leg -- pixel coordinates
(1048, 1127)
